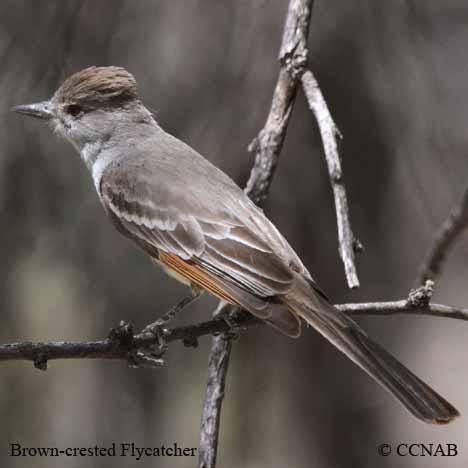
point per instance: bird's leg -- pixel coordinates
(227, 313)
(168, 316)
(195, 293)
(156, 328)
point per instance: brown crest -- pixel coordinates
(98, 87)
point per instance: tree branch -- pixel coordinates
(217, 371)
(347, 242)
(444, 240)
(128, 345)
(269, 142)
(403, 307)
(121, 344)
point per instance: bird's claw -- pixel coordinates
(159, 333)
(228, 316)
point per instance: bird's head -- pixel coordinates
(89, 105)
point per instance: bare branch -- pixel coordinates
(348, 244)
(125, 348)
(217, 371)
(444, 240)
(293, 56)
(403, 307)
(121, 344)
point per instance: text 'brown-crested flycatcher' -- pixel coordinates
(195, 222)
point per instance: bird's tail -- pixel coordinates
(348, 337)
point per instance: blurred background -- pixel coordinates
(395, 76)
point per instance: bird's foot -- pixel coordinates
(123, 336)
(227, 313)
(151, 356)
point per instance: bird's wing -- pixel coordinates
(226, 238)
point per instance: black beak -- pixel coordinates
(40, 110)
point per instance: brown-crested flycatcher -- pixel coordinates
(195, 222)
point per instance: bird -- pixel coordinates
(196, 223)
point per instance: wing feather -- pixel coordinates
(232, 238)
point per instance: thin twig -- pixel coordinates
(402, 307)
(347, 242)
(267, 147)
(123, 349)
(444, 240)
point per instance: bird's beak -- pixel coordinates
(40, 110)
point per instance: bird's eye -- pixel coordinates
(74, 110)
